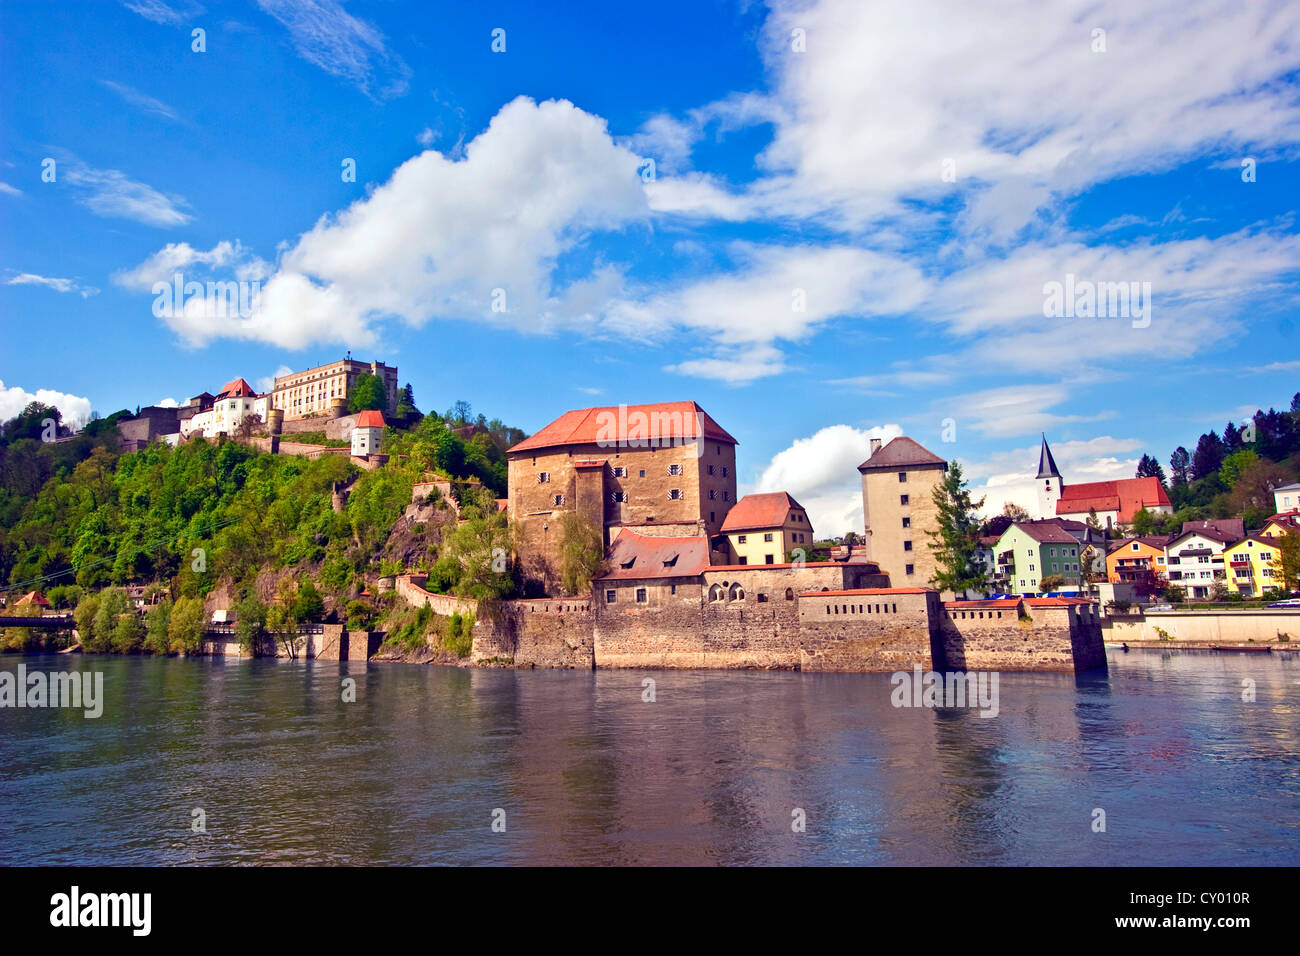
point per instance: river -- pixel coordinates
(579, 768)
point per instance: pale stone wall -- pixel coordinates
(1221, 627)
(884, 513)
(880, 632)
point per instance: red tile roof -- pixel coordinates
(635, 556)
(856, 565)
(766, 510)
(627, 425)
(236, 389)
(991, 603)
(370, 419)
(33, 597)
(1126, 496)
(902, 452)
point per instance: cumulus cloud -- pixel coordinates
(13, 399)
(477, 238)
(167, 403)
(821, 472)
(176, 257)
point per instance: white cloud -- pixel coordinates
(1012, 410)
(773, 293)
(441, 237)
(160, 12)
(327, 36)
(75, 409)
(426, 137)
(267, 382)
(821, 473)
(142, 100)
(176, 257)
(51, 282)
(110, 193)
(865, 118)
(167, 403)
(10, 190)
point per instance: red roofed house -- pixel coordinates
(1114, 502)
(666, 469)
(367, 433)
(764, 528)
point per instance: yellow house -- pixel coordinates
(1249, 564)
(1282, 523)
(763, 529)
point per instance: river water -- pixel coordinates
(580, 768)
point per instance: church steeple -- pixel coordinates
(1050, 483)
(1046, 464)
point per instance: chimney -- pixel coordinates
(875, 445)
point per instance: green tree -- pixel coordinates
(1144, 523)
(84, 617)
(582, 553)
(185, 629)
(112, 605)
(1234, 465)
(155, 639)
(250, 621)
(128, 635)
(955, 543)
(1052, 582)
(308, 605)
(1286, 565)
(368, 392)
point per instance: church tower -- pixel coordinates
(1049, 483)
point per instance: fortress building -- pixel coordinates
(315, 391)
(666, 469)
(898, 508)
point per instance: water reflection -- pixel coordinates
(711, 771)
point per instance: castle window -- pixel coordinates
(769, 559)
(902, 499)
(895, 610)
(726, 496)
(674, 469)
(609, 596)
(907, 522)
(716, 593)
(619, 496)
(642, 472)
(907, 546)
(902, 476)
(911, 569)
(675, 494)
(641, 597)
(712, 495)
(620, 472)
(559, 500)
(543, 477)
(710, 469)
(789, 594)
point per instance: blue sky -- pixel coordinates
(912, 176)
